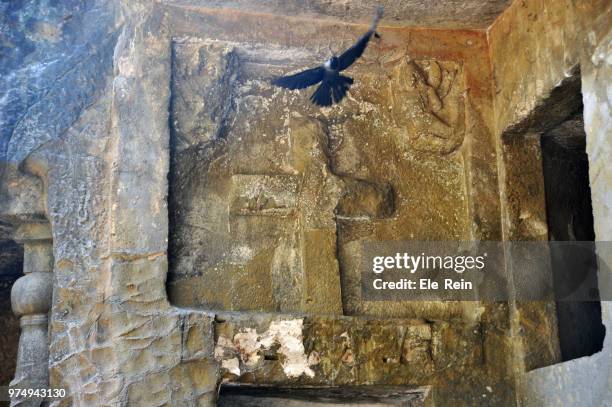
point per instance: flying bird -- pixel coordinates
(333, 85)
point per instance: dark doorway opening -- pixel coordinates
(570, 218)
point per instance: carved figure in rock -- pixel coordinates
(428, 105)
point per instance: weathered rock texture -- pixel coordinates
(269, 196)
(472, 14)
(115, 112)
(548, 40)
(262, 182)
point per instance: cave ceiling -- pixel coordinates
(467, 14)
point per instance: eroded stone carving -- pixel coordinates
(267, 192)
(427, 105)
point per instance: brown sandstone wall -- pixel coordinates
(535, 49)
(534, 45)
(409, 155)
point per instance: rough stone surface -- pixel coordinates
(474, 14)
(297, 179)
(350, 351)
(550, 39)
(301, 180)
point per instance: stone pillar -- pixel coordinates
(31, 301)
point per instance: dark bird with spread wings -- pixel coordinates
(333, 86)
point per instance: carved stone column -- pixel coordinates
(31, 300)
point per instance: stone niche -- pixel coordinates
(271, 196)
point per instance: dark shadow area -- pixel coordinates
(570, 218)
(11, 268)
(558, 123)
(563, 102)
(255, 396)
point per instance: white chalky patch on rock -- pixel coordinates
(231, 365)
(289, 335)
(286, 335)
(248, 344)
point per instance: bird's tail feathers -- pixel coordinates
(322, 96)
(340, 87)
(331, 92)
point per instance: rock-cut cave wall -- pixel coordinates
(270, 196)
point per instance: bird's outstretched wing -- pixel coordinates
(300, 80)
(350, 55)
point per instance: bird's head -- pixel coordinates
(332, 63)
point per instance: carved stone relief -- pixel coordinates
(270, 196)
